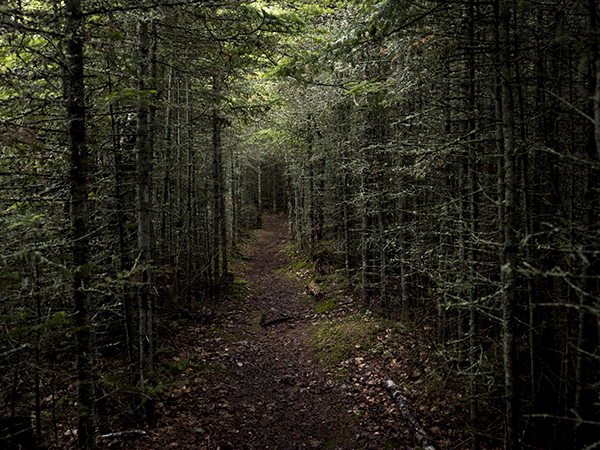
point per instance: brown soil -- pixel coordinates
(253, 382)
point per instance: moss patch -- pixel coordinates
(239, 290)
(296, 268)
(256, 320)
(324, 307)
(335, 341)
(215, 368)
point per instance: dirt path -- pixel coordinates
(250, 382)
(283, 400)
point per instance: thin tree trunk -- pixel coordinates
(259, 194)
(223, 217)
(215, 207)
(462, 236)
(37, 300)
(220, 223)
(165, 207)
(311, 187)
(234, 199)
(298, 215)
(382, 263)
(346, 219)
(509, 275)
(74, 92)
(176, 221)
(364, 245)
(474, 220)
(274, 190)
(122, 201)
(189, 174)
(588, 339)
(144, 204)
(403, 237)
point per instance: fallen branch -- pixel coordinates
(275, 321)
(127, 434)
(423, 439)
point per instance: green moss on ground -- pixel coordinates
(336, 340)
(326, 306)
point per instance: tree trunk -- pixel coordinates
(588, 339)
(474, 346)
(509, 275)
(299, 229)
(220, 223)
(123, 201)
(144, 204)
(403, 237)
(223, 219)
(165, 200)
(234, 188)
(259, 194)
(364, 244)
(311, 187)
(382, 263)
(74, 92)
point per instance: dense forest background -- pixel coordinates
(440, 158)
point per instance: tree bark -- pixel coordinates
(474, 345)
(259, 193)
(74, 92)
(509, 275)
(144, 206)
(364, 244)
(311, 186)
(588, 339)
(216, 137)
(220, 223)
(189, 175)
(165, 200)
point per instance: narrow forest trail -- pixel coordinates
(250, 382)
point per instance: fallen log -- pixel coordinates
(423, 438)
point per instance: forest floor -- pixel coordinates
(280, 369)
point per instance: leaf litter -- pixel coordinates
(247, 386)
